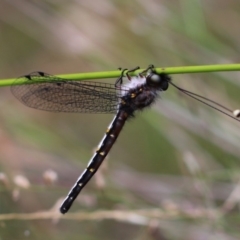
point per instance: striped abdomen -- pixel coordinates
(97, 159)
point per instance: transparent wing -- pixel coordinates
(46, 92)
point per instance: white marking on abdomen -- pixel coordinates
(101, 142)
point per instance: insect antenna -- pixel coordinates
(235, 114)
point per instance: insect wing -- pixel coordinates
(47, 92)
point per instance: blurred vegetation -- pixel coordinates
(174, 171)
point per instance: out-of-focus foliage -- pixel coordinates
(173, 173)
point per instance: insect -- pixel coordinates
(47, 92)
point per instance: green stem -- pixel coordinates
(115, 74)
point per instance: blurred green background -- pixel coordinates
(179, 161)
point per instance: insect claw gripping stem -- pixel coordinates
(150, 67)
(131, 70)
(119, 81)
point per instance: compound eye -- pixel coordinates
(153, 79)
(156, 80)
(164, 85)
